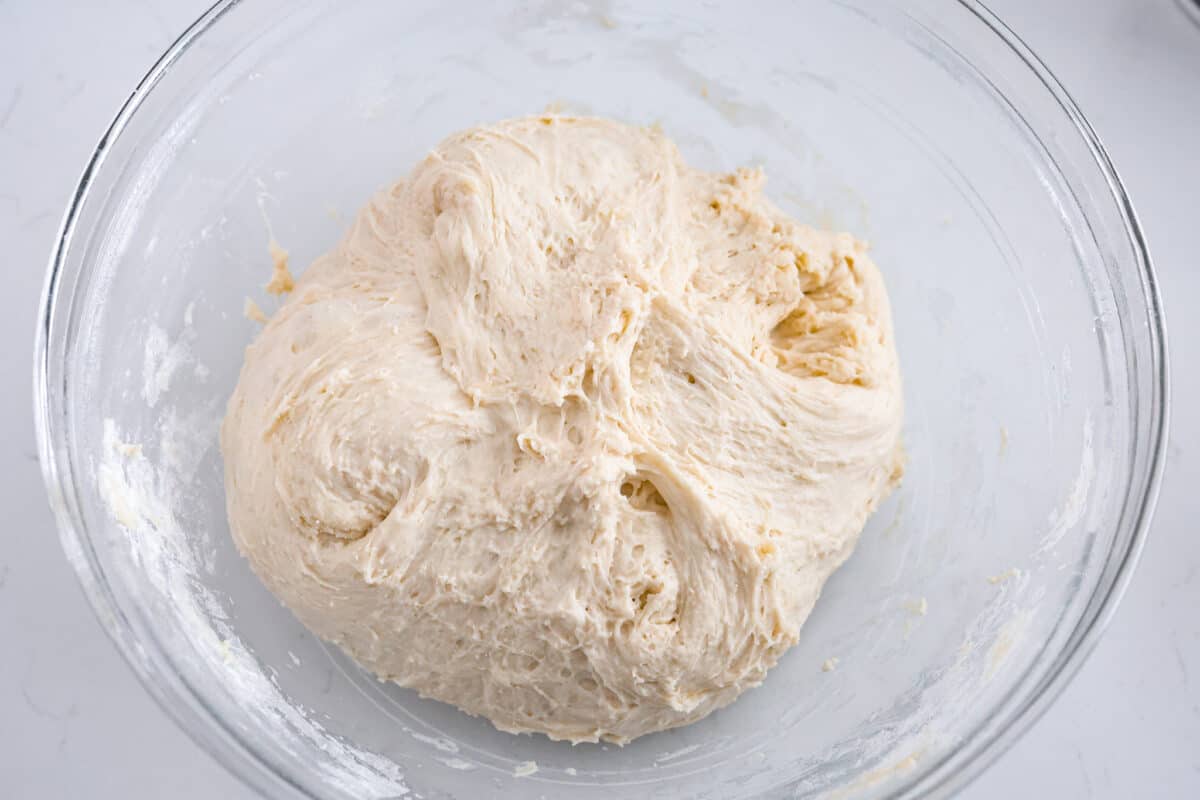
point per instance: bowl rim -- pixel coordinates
(188, 709)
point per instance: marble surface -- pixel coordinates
(75, 723)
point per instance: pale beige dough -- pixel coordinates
(566, 432)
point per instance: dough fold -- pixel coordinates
(565, 432)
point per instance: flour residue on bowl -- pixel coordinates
(1068, 515)
(1006, 575)
(141, 480)
(1007, 637)
(881, 774)
(445, 745)
(672, 755)
(161, 360)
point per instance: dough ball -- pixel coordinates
(566, 432)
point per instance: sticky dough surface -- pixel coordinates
(566, 432)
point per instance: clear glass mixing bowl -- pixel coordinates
(1029, 329)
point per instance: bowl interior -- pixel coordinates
(916, 128)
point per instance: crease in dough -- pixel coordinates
(566, 432)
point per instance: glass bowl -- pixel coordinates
(1029, 328)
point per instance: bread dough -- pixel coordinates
(566, 432)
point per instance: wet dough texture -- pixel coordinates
(565, 432)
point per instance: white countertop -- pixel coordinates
(75, 723)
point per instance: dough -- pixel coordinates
(566, 432)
